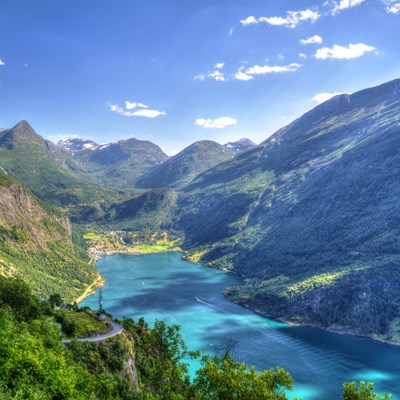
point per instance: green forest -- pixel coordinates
(142, 363)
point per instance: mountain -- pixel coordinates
(45, 169)
(240, 145)
(310, 217)
(114, 164)
(149, 211)
(37, 244)
(184, 166)
(77, 144)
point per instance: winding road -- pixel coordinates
(116, 329)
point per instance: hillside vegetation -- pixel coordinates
(310, 216)
(38, 244)
(117, 164)
(183, 167)
(141, 363)
(46, 170)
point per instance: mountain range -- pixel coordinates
(309, 217)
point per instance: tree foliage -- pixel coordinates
(225, 379)
(362, 391)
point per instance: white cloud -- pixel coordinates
(322, 97)
(280, 57)
(344, 52)
(2, 62)
(131, 106)
(393, 8)
(219, 65)
(200, 77)
(267, 69)
(248, 21)
(231, 31)
(344, 4)
(303, 55)
(292, 19)
(136, 110)
(217, 75)
(242, 76)
(219, 123)
(311, 40)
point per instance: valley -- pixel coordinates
(199, 200)
(308, 217)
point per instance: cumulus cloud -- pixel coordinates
(392, 6)
(322, 97)
(303, 55)
(217, 75)
(344, 4)
(136, 110)
(291, 20)
(268, 69)
(311, 40)
(344, 52)
(2, 62)
(249, 21)
(242, 76)
(131, 106)
(219, 123)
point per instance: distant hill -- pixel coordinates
(117, 164)
(184, 166)
(36, 243)
(311, 216)
(240, 145)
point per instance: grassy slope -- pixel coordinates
(44, 169)
(37, 244)
(119, 164)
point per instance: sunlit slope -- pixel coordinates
(46, 170)
(36, 243)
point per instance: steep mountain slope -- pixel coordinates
(114, 164)
(46, 170)
(184, 166)
(36, 244)
(311, 216)
(150, 211)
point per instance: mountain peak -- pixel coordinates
(23, 126)
(22, 133)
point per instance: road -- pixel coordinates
(116, 329)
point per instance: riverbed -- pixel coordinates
(164, 286)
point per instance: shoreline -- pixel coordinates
(341, 331)
(91, 289)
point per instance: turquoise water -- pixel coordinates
(163, 286)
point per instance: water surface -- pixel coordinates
(163, 286)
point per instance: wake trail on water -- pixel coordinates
(253, 326)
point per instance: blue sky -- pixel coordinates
(174, 72)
